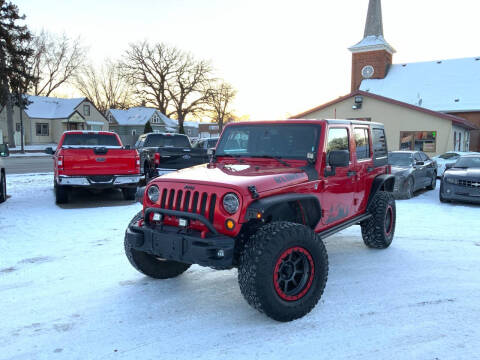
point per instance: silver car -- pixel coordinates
(450, 157)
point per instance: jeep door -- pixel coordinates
(365, 171)
(339, 186)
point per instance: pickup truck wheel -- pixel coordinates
(3, 187)
(149, 172)
(151, 265)
(61, 194)
(129, 193)
(377, 231)
(283, 270)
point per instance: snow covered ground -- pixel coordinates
(68, 292)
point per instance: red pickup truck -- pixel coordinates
(94, 160)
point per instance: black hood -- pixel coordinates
(471, 173)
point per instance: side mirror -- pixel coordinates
(419, 163)
(312, 157)
(127, 147)
(211, 155)
(338, 158)
(49, 151)
(4, 152)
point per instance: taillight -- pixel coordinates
(157, 159)
(60, 162)
(137, 162)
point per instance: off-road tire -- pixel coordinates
(261, 256)
(433, 185)
(3, 187)
(409, 188)
(151, 265)
(61, 194)
(378, 231)
(129, 193)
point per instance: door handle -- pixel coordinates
(369, 169)
(351, 173)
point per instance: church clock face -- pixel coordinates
(367, 71)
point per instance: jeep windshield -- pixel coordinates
(90, 140)
(287, 141)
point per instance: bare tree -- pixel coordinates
(57, 59)
(220, 98)
(168, 78)
(190, 88)
(150, 69)
(107, 88)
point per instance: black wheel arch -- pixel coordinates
(384, 182)
(299, 208)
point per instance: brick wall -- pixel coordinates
(379, 59)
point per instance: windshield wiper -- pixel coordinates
(238, 157)
(278, 158)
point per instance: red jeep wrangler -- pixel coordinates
(273, 190)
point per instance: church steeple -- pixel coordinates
(374, 24)
(372, 56)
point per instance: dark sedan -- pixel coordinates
(461, 181)
(413, 171)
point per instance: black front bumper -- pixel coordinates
(459, 193)
(177, 244)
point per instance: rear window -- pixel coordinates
(90, 140)
(379, 143)
(167, 141)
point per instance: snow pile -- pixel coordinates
(68, 292)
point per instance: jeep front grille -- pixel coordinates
(197, 202)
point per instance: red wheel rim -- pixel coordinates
(293, 274)
(389, 220)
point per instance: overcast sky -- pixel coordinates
(283, 57)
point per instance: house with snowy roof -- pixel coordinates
(130, 123)
(46, 118)
(430, 106)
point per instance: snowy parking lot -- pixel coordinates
(68, 292)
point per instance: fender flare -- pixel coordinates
(382, 182)
(263, 205)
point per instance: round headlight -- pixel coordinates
(231, 203)
(153, 193)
